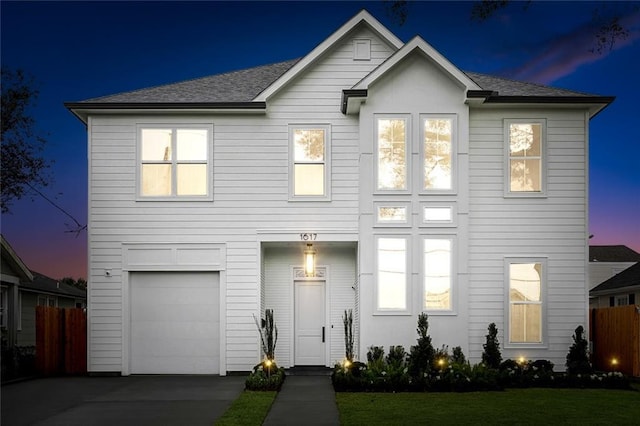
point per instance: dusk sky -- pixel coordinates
(81, 50)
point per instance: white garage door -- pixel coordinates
(175, 322)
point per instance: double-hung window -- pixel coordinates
(175, 162)
(438, 134)
(392, 153)
(526, 294)
(309, 164)
(525, 155)
(392, 275)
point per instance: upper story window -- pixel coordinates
(437, 153)
(525, 157)
(309, 164)
(175, 162)
(392, 153)
(526, 286)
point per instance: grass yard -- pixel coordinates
(249, 409)
(513, 406)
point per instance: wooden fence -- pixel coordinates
(61, 340)
(615, 338)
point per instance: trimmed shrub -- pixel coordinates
(578, 356)
(491, 356)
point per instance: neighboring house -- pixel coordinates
(607, 261)
(621, 289)
(13, 271)
(22, 291)
(407, 185)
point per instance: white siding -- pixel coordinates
(250, 175)
(554, 227)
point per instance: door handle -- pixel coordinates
(322, 334)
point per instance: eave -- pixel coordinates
(487, 97)
(83, 109)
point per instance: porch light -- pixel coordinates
(310, 261)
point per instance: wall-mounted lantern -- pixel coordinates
(310, 261)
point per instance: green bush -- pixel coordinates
(578, 356)
(491, 356)
(265, 376)
(421, 356)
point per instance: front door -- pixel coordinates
(309, 322)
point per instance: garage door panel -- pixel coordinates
(175, 323)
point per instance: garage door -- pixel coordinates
(175, 323)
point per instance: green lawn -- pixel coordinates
(249, 409)
(514, 406)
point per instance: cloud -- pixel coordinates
(558, 57)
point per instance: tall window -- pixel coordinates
(437, 153)
(310, 162)
(525, 157)
(4, 305)
(437, 274)
(391, 134)
(525, 301)
(175, 162)
(391, 274)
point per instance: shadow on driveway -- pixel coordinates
(132, 400)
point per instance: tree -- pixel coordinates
(81, 283)
(578, 356)
(23, 167)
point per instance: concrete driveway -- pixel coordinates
(133, 400)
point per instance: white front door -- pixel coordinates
(309, 323)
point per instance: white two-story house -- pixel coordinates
(371, 175)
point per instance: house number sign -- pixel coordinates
(308, 236)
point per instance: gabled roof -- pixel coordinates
(417, 44)
(13, 260)
(362, 18)
(627, 279)
(617, 253)
(248, 90)
(46, 285)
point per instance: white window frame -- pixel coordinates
(173, 196)
(327, 162)
(362, 49)
(454, 153)
(452, 205)
(543, 261)
(407, 152)
(408, 276)
(452, 310)
(543, 158)
(392, 223)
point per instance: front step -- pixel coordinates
(311, 370)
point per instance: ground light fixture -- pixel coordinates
(310, 261)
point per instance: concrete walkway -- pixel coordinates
(304, 400)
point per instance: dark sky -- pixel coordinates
(80, 50)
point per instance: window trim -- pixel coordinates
(543, 260)
(174, 126)
(454, 153)
(390, 223)
(407, 153)
(4, 306)
(452, 310)
(543, 158)
(327, 162)
(408, 276)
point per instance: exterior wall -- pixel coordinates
(554, 227)
(340, 263)
(415, 87)
(251, 182)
